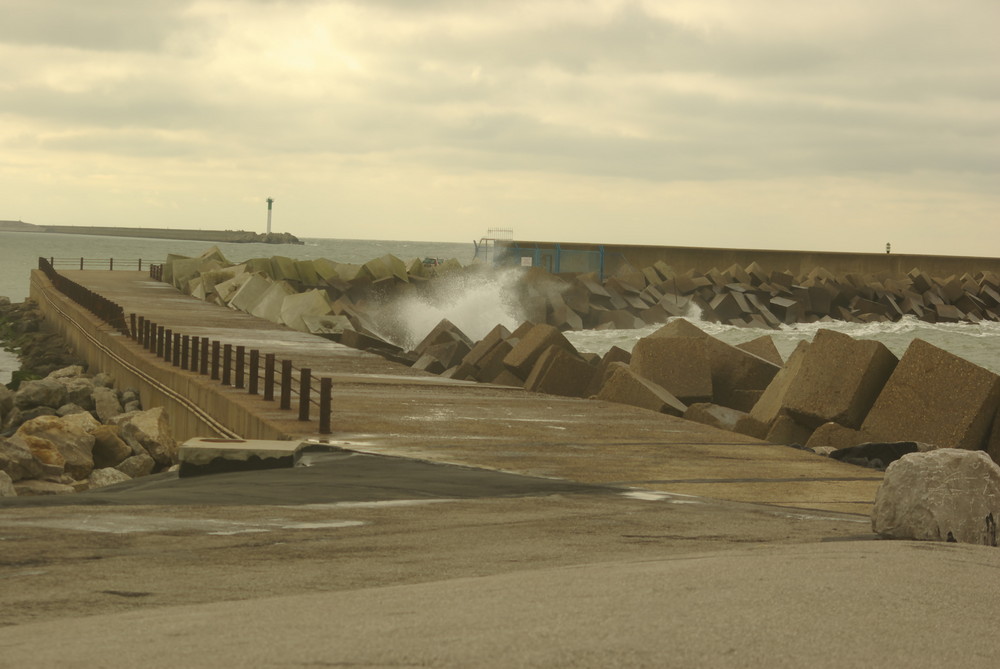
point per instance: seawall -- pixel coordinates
(563, 257)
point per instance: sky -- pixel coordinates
(787, 124)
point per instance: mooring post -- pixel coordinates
(254, 370)
(305, 383)
(325, 388)
(286, 384)
(269, 377)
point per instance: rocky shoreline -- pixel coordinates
(63, 430)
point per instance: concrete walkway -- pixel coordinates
(387, 408)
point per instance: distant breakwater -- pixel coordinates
(214, 236)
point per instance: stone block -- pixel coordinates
(450, 353)
(751, 427)
(445, 332)
(678, 364)
(224, 291)
(491, 363)
(535, 341)
(506, 378)
(838, 380)
(935, 397)
(283, 268)
(941, 495)
(744, 400)
(614, 354)
(624, 386)
(428, 363)
(721, 417)
(559, 372)
(484, 345)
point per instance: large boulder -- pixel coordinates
(48, 434)
(149, 431)
(40, 393)
(109, 449)
(937, 398)
(941, 495)
(17, 460)
(558, 372)
(106, 403)
(100, 478)
(6, 485)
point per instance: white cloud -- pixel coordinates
(576, 120)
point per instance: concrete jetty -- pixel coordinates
(463, 524)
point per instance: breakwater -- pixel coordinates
(211, 236)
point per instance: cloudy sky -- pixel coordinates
(766, 124)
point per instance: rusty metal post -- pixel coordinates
(286, 385)
(325, 404)
(254, 370)
(305, 382)
(240, 363)
(269, 377)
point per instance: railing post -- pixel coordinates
(227, 365)
(286, 385)
(168, 336)
(269, 377)
(81, 263)
(254, 369)
(215, 359)
(325, 409)
(159, 341)
(305, 382)
(111, 264)
(147, 336)
(176, 358)
(203, 364)
(195, 354)
(185, 348)
(132, 325)
(140, 264)
(240, 362)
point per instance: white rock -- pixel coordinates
(137, 465)
(105, 477)
(150, 431)
(941, 495)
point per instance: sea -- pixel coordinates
(475, 302)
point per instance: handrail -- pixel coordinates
(135, 264)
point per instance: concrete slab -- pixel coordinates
(202, 456)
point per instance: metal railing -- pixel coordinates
(233, 366)
(98, 263)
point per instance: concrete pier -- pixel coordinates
(390, 409)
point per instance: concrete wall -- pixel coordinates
(194, 403)
(684, 258)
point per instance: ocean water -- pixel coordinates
(475, 304)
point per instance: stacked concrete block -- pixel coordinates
(294, 308)
(268, 306)
(560, 372)
(535, 341)
(721, 417)
(935, 397)
(624, 386)
(681, 365)
(247, 291)
(838, 380)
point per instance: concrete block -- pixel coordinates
(614, 354)
(460, 372)
(283, 268)
(786, 430)
(836, 436)
(268, 306)
(330, 326)
(444, 332)
(838, 380)
(214, 456)
(484, 345)
(490, 364)
(526, 352)
(937, 398)
(307, 272)
(752, 428)
(450, 353)
(678, 364)
(428, 363)
(310, 303)
(624, 386)
(744, 400)
(721, 417)
(559, 372)
(768, 407)
(506, 378)
(763, 347)
(621, 319)
(367, 341)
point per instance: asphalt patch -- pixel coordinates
(343, 476)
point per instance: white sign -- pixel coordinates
(526, 261)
